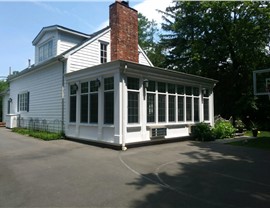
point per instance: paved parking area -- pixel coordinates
(36, 173)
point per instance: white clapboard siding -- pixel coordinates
(67, 41)
(89, 55)
(143, 59)
(45, 93)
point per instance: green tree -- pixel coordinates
(148, 35)
(221, 40)
(3, 87)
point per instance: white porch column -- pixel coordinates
(117, 108)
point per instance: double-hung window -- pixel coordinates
(161, 101)
(192, 104)
(151, 101)
(93, 101)
(172, 106)
(23, 101)
(133, 99)
(73, 103)
(180, 102)
(206, 116)
(196, 107)
(103, 52)
(188, 103)
(89, 102)
(109, 100)
(84, 102)
(45, 51)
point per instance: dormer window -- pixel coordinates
(45, 51)
(103, 53)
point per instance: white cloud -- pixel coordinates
(149, 9)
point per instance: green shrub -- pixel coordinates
(223, 129)
(203, 132)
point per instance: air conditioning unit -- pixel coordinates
(158, 132)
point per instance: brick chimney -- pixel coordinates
(124, 32)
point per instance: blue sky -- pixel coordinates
(21, 21)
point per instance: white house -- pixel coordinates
(102, 87)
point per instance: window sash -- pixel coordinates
(196, 110)
(72, 108)
(206, 109)
(181, 108)
(109, 107)
(188, 108)
(133, 107)
(45, 51)
(151, 107)
(161, 108)
(23, 101)
(103, 53)
(171, 108)
(93, 108)
(84, 108)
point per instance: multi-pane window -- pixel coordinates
(172, 97)
(174, 103)
(188, 108)
(23, 101)
(103, 53)
(73, 103)
(45, 51)
(171, 108)
(89, 102)
(109, 100)
(161, 108)
(93, 101)
(84, 102)
(192, 104)
(151, 102)
(206, 105)
(188, 103)
(161, 101)
(181, 104)
(181, 108)
(133, 99)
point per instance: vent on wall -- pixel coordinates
(158, 132)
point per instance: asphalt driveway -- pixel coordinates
(35, 173)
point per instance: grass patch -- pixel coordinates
(261, 142)
(47, 136)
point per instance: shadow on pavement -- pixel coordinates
(215, 176)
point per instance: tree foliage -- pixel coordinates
(221, 40)
(3, 87)
(148, 35)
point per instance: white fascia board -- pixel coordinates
(146, 57)
(102, 69)
(57, 27)
(167, 75)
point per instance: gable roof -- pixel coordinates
(60, 28)
(87, 41)
(61, 56)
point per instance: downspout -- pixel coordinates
(62, 60)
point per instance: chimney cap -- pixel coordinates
(123, 2)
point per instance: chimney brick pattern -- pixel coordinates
(124, 32)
